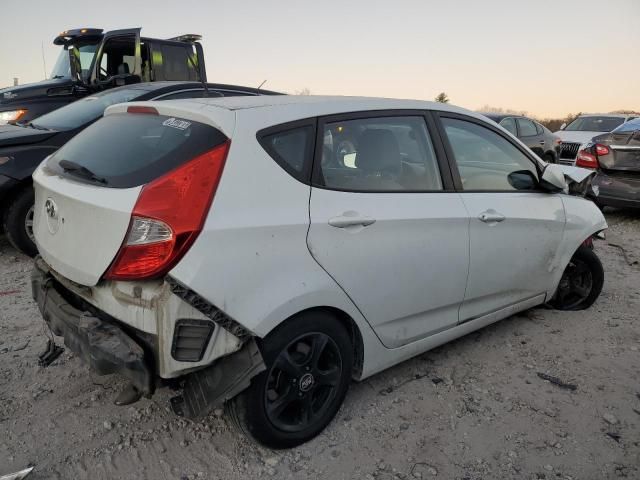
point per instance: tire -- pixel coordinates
(581, 281)
(273, 410)
(15, 222)
(548, 158)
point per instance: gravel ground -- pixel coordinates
(476, 408)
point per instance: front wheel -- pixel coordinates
(581, 282)
(18, 222)
(309, 360)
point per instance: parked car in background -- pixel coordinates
(616, 157)
(536, 136)
(25, 145)
(91, 60)
(265, 251)
(583, 129)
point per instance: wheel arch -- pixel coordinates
(583, 220)
(352, 327)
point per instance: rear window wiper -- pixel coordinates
(80, 171)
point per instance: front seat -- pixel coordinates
(123, 69)
(379, 160)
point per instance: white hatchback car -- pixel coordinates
(264, 251)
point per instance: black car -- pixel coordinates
(537, 137)
(91, 61)
(616, 158)
(24, 145)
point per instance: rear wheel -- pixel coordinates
(18, 222)
(309, 361)
(581, 282)
(548, 158)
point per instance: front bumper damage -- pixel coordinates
(103, 345)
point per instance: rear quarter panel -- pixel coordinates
(251, 260)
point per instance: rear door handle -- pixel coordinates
(491, 216)
(542, 142)
(351, 219)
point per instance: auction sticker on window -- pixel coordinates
(176, 123)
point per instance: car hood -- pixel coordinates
(11, 135)
(13, 96)
(577, 137)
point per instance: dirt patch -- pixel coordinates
(544, 394)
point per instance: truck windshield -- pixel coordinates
(86, 110)
(62, 69)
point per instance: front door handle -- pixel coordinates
(542, 142)
(351, 219)
(491, 216)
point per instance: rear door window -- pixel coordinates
(526, 127)
(379, 154)
(128, 150)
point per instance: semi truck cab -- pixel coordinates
(91, 60)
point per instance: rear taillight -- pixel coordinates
(602, 150)
(167, 217)
(585, 159)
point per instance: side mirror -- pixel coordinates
(523, 180)
(563, 126)
(553, 179)
(74, 65)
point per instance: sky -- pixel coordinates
(548, 58)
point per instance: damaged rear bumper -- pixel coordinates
(617, 191)
(108, 346)
(103, 345)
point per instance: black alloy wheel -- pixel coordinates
(309, 360)
(302, 382)
(581, 282)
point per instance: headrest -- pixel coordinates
(378, 151)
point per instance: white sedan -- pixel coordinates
(263, 252)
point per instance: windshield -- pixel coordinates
(62, 69)
(594, 124)
(86, 110)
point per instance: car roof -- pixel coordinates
(224, 112)
(323, 105)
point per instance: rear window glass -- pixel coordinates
(630, 126)
(86, 110)
(128, 150)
